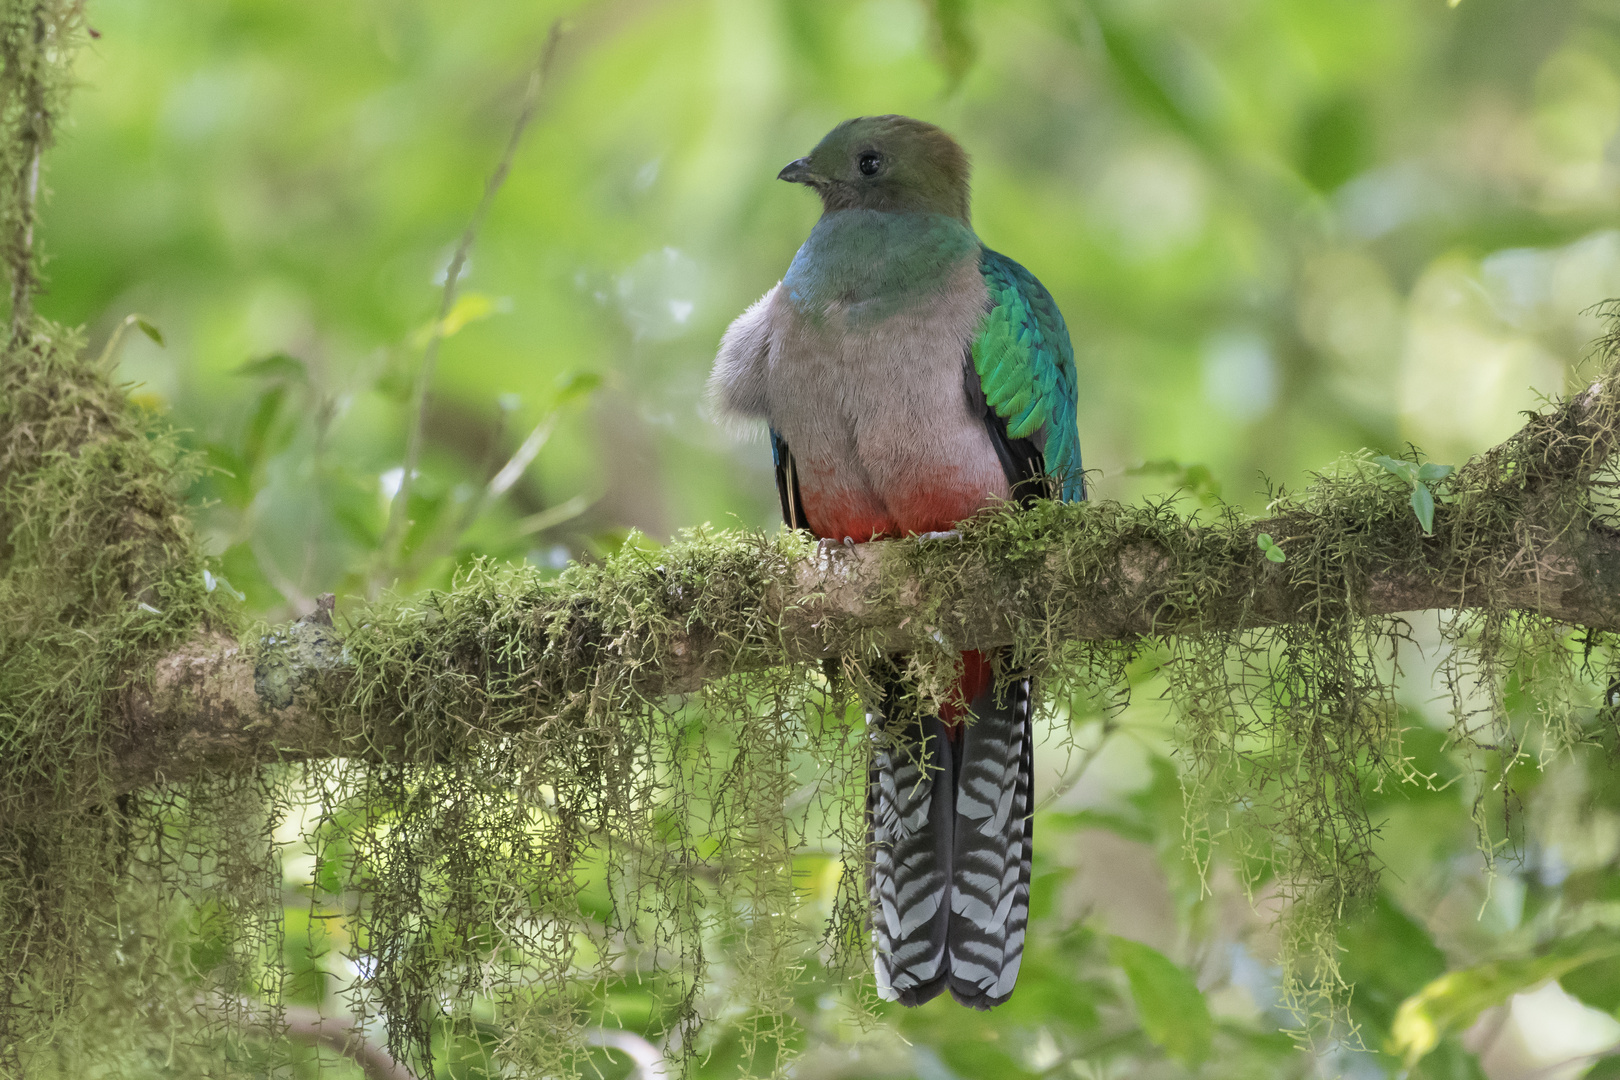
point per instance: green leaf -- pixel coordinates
(1200, 480)
(1432, 472)
(230, 475)
(278, 366)
(1265, 541)
(469, 308)
(212, 581)
(1454, 1001)
(149, 329)
(1195, 479)
(1423, 507)
(1403, 469)
(1276, 554)
(1172, 1011)
(1388, 956)
(1134, 52)
(1596, 984)
(573, 385)
(259, 441)
(953, 40)
(1336, 142)
(1129, 826)
(1606, 1069)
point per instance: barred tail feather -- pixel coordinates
(909, 816)
(950, 834)
(993, 833)
(994, 830)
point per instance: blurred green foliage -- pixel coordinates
(1280, 230)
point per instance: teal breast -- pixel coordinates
(864, 266)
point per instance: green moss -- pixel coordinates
(98, 575)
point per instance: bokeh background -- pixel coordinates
(1281, 231)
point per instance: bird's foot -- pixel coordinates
(828, 544)
(951, 534)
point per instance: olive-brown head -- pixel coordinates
(887, 163)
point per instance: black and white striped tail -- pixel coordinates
(950, 835)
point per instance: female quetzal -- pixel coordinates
(911, 378)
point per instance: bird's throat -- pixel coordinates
(861, 266)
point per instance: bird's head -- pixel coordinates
(889, 163)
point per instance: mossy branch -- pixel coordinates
(36, 38)
(507, 651)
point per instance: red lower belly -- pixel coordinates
(907, 515)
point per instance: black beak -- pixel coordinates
(797, 172)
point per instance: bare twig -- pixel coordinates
(394, 536)
(514, 467)
(289, 589)
(1073, 774)
(303, 1024)
(552, 516)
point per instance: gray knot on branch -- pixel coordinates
(292, 657)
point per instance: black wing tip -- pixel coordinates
(787, 483)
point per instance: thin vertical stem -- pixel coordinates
(394, 535)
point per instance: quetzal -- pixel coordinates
(912, 377)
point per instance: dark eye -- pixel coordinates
(869, 164)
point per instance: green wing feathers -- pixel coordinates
(1026, 366)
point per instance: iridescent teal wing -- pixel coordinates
(1025, 366)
